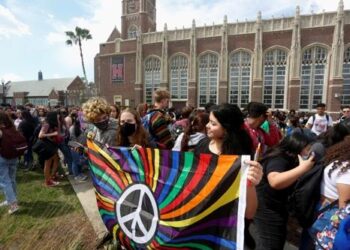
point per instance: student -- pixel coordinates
(226, 135)
(8, 168)
(49, 131)
(130, 131)
(283, 165)
(335, 186)
(104, 129)
(193, 134)
(156, 121)
(321, 121)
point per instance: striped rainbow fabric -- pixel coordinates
(159, 199)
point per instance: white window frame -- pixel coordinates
(239, 65)
(179, 73)
(212, 64)
(152, 69)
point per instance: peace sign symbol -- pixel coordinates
(137, 213)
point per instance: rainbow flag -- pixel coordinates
(159, 199)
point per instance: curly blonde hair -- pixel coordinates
(94, 107)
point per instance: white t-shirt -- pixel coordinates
(320, 124)
(329, 184)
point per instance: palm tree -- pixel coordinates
(76, 38)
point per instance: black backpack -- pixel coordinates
(305, 196)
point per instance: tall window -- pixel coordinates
(208, 79)
(132, 32)
(346, 76)
(240, 65)
(275, 63)
(179, 77)
(312, 77)
(152, 77)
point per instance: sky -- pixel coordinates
(32, 33)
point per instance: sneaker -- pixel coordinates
(51, 183)
(13, 208)
(3, 203)
(80, 178)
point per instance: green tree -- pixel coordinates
(77, 37)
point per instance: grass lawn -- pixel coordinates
(49, 218)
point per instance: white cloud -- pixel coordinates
(176, 13)
(10, 77)
(10, 25)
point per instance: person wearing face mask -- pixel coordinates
(104, 129)
(130, 131)
(282, 165)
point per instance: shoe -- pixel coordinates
(3, 203)
(13, 208)
(51, 183)
(80, 178)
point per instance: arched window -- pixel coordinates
(312, 77)
(208, 78)
(240, 66)
(179, 77)
(346, 76)
(152, 77)
(275, 63)
(132, 32)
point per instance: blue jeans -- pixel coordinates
(8, 169)
(76, 164)
(67, 155)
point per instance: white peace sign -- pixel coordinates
(137, 223)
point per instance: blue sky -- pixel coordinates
(32, 34)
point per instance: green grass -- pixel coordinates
(49, 218)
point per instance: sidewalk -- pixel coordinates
(86, 195)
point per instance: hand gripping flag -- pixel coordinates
(159, 199)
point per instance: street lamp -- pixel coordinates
(4, 89)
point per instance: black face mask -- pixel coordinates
(127, 129)
(103, 125)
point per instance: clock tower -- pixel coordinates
(138, 16)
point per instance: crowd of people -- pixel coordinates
(284, 141)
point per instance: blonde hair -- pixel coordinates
(161, 94)
(94, 107)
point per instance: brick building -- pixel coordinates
(287, 63)
(61, 91)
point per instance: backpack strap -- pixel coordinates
(325, 208)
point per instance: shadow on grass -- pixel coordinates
(45, 209)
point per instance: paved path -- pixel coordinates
(87, 198)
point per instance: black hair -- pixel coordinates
(256, 109)
(27, 116)
(320, 105)
(76, 124)
(51, 119)
(334, 134)
(236, 139)
(289, 147)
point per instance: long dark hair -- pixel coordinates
(26, 116)
(197, 124)
(76, 125)
(5, 120)
(334, 134)
(236, 139)
(52, 119)
(289, 147)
